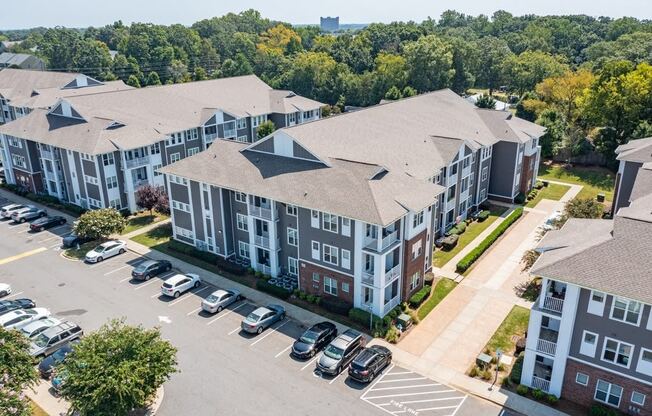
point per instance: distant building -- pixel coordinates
(6, 45)
(21, 60)
(329, 24)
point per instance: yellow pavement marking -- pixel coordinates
(22, 255)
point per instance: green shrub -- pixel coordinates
(501, 367)
(317, 300)
(505, 382)
(538, 394)
(418, 298)
(362, 317)
(336, 305)
(250, 270)
(449, 243)
(532, 194)
(475, 371)
(522, 390)
(552, 399)
(404, 306)
(274, 290)
(483, 215)
(486, 374)
(458, 229)
(517, 370)
(310, 298)
(296, 293)
(392, 335)
(387, 321)
(207, 257)
(484, 245)
(600, 410)
(303, 295)
(520, 198)
(538, 185)
(258, 274)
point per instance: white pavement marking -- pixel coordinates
(181, 299)
(285, 349)
(226, 313)
(165, 319)
(460, 405)
(400, 372)
(269, 332)
(235, 330)
(337, 376)
(402, 379)
(310, 362)
(58, 245)
(13, 295)
(411, 394)
(125, 279)
(147, 284)
(408, 387)
(434, 400)
(378, 381)
(193, 311)
(116, 270)
(23, 231)
(57, 227)
(436, 408)
(48, 239)
(156, 295)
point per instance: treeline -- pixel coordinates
(382, 60)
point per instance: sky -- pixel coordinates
(83, 13)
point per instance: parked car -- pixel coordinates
(219, 300)
(150, 268)
(369, 363)
(180, 283)
(46, 366)
(12, 305)
(28, 213)
(32, 330)
(7, 210)
(21, 317)
(262, 318)
(105, 251)
(340, 352)
(73, 239)
(314, 340)
(47, 222)
(5, 289)
(53, 338)
(58, 381)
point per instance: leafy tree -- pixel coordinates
(493, 54)
(390, 71)
(99, 223)
(583, 208)
(566, 92)
(236, 67)
(485, 101)
(265, 129)
(133, 81)
(149, 197)
(394, 94)
(17, 373)
(153, 78)
(429, 61)
(116, 369)
(553, 139)
(316, 75)
(409, 92)
(526, 70)
(280, 39)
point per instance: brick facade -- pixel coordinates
(527, 173)
(584, 395)
(32, 181)
(412, 266)
(308, 285)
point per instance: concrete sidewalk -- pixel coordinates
(17, 199)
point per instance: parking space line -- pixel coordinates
(377, 381)
(408, 387)
(269, 333)
(460, 405)
(13, 295)
(235, 330)
(118, 269)
(310, 362)
(402, 379)
(156, 295)
(226, 313)
(436, 408)
(125, 279)
(434, 400)
(146, 284)
(22, 255)
(23, 231)
(411, 394)
(336, 377)
(193, 311)
(400, 372)
(48, 239)
(55, 246)
(285, 349)
(58, 227)
(174, 302)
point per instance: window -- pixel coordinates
(346, 259)
(111, 182)
(86, 156)
(258, 120)
(466, 162)
(314, 218)
(242, 139)
(193, 151)
(315, 250)
(241, 221)
(483, 194)
(329, 222)
(241, 123)
(175, 138)
(608, 393)
(19, 161)
(465, 185)
(617, 352)
(330, 255)
(155, 149)
(645, 362)
(15, 142)
(596, 303)
(308, 114)
(175, 157)
(346, 227)
(485, 173)
(108, 159)
(453, 170)
(95, 203)
(178, 180)
(581, 378)
(417, 220)
(451, 193)
(243, 249)
(240, 197)
(293, 266)
(626, 310)
(417, 249)
(115, 203)
(415, 279)
(293, 237)
(184, 233)
(638, 398)
(330, 285)
(315, 277)
(345, 287)
(589, 343)
(291, 210)
(180, 206)
(91, 179)
(292, 118)
(155, 168)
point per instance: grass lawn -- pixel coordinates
(73, 253)
(515, 323)
(441, 257)
(442, 288)
(142, 219)
(552, 191)
(36, 410)
(594, 179)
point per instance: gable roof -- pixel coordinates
(8, 58)
(20, 83)
(507, 127)
(638, 150)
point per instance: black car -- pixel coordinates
(72, 239)
(150, 268)
(314, 340)
(47, 364)
(12, 305)
(369, 363)
(47, 222)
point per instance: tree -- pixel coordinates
(99, 223)
(583, 208)
(493, 53)
(280, 39)
(17, 373)
(429, 62)
(485, 101)
(526, 70)
(393, 94)
(133, 81)
(566, 91)
(149, 197)
(153, 78)
(265, 129)
(116, 369)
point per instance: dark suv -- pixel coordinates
(314, 339)
(339, 353)
(369, 363)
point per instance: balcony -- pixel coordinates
(540, 383)
(136, 162)
(47, 154)
(261, 240)
(393, 273)
(261, 212)
(368, 277)
(210, 137)
(139, 183)
(391, 305)
(554, 304)
(229, 133)
(546, 347)
(389, 239)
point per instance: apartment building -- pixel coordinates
(95, 150)
(590, 332)
(634, 171)
(349, 206)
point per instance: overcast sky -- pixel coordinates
(81, 13)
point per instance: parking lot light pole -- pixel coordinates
(499, 354)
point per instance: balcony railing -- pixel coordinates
(228, 133)
(261, 240)
(391, 305)
(546, 347)
(139, 161)
(368, 278)
(139, 183)
(47, 154)
(393, 273)
(260, 212)
(210, 136)
(553, 304)
(389, 239)
(540, 383)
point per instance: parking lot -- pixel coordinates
(221, 369)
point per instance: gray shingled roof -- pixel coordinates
(507, 127)
(345, 188)
(21, 83)
(46, 97)
(643, 183)
(639, 150)
(8, 58)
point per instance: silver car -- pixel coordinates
(53, 338)
(7, 210)
(33, 329)
(30, 212)
(340, 352)
(219, 300)
(261, 318)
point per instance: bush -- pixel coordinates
(404, 306)
(501, 367)
(362, 317)
(387, 321)
(266, 277)
(486, 374)
(483, 215)
(273, 290)
(310, 298)
(520, 198)
(474, 371)
(484, 245)
(415, 317)
(258, 274)
(599, 410)
(418, 298)
(336, 305)
(522, 390)
(552, 399)
(583, 208)
(517, 370)
(186, 249)
(538, 185)
(532, 194)
(448, 243)
(458, 229)
(392, 335)
(302, 295)
(317, 300)
(505, 382)
(538, 394)
(250, 270)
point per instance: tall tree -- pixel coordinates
(429, 62)
(99, 223)
(17, 373)
(526, 70)
(493, 54)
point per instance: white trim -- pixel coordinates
(583, 374)
(619, 344)
(326, 267)
(644, 363)
(606, 401)
(586, 348)
(631, 399)
(594, 307)
(618, 373)
(628, 302)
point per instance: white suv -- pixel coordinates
(180, 283)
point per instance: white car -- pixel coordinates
(7, 210)
(549, 224)
(180, 283)
(33, 329)
(21, 317)
(219, 300)
(106, 250)
(5, 290)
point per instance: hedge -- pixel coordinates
(484, 245)
(207, 257)
(483, 215)
(418, 298)
(517, 370)
(449, 243)
(47, 200)
(362, 317)
(335, 305)
(279, 292)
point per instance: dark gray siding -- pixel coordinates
(32, 150)
(278, 120)
(284, 222)
(80, 174)
(265, 146)
(179, 193)
(480, 185)
(235, 208)
(197, 206)
(630, 171)
(117, 156)
(502, 169)
(21, 151)
(182, 219)
(89, 168)
(67, 176)
(177, 148)
(93, 191)
(218, 231)
(299, 151)
(102, 177)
